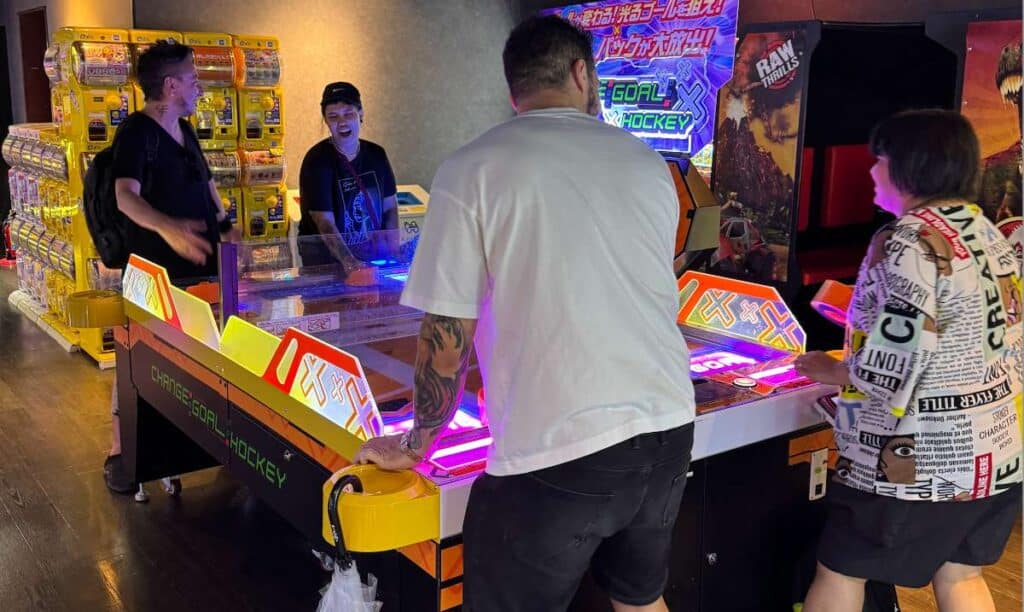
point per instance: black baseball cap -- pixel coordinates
(343, 92)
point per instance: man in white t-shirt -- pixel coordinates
(549, 240)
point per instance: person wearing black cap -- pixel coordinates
(347, 189)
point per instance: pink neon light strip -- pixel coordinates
(772, 372)
(460, 422)
(460, 448)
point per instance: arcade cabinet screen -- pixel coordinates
(660, 64)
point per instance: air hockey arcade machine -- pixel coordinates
(283, 378)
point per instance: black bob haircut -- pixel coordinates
(540, 52)
(158, 62)
(932, 154)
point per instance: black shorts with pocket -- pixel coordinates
(905, 542)
(530, 538)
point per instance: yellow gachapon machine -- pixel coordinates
(263, 194)
(259, 92)
(94, 92)
(226, 168)
(91, 95)
(92, 73)
(261, 137)
(216, 117)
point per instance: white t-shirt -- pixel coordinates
(556, 231)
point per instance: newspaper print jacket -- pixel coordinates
(933, 347)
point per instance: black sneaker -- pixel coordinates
(115, 477)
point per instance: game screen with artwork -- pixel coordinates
(660, 64)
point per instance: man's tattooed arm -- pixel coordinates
(442, 359)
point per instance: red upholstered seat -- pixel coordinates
(803, 206)
(847, 192)
(835, 263)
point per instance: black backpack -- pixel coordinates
(104, 219)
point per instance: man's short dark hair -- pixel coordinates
(158, 62)
(932, 153)
(540, 52)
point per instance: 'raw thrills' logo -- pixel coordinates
(777, 67)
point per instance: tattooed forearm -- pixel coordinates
(441, 363)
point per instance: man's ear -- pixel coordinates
(169, 85)
(580, 75)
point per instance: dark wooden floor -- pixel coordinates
(1004, 580)
(66, 543)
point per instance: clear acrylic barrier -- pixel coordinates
(302, 282)
(354, 306)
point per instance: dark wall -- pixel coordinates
(6, 118)
(894, 68)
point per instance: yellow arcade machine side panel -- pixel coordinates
(412, 210)
(216, 117)
(141, 40)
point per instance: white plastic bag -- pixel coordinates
(346, 593)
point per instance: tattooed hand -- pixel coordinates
(386, 452)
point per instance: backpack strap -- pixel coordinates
(152, 148)
(190, 135)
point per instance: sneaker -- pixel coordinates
(115, 477)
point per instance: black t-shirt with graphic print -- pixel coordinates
(327, 185)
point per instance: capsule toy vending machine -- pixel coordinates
(217, 114)
(94, 65)
(263, 194)
(93, 95)
(261, 137)
(259, 92)
(226, 168)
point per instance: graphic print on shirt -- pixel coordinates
(360, 217)
(934, 346)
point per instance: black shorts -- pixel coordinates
(530, 538)
(905, 542)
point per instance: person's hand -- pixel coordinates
(387, 243)
(350, 264)
(187, 238)
(386, 453)
(233, 235)
(822, 367)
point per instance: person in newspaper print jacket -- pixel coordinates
(928, 426)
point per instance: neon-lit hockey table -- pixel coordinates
(295, 367)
